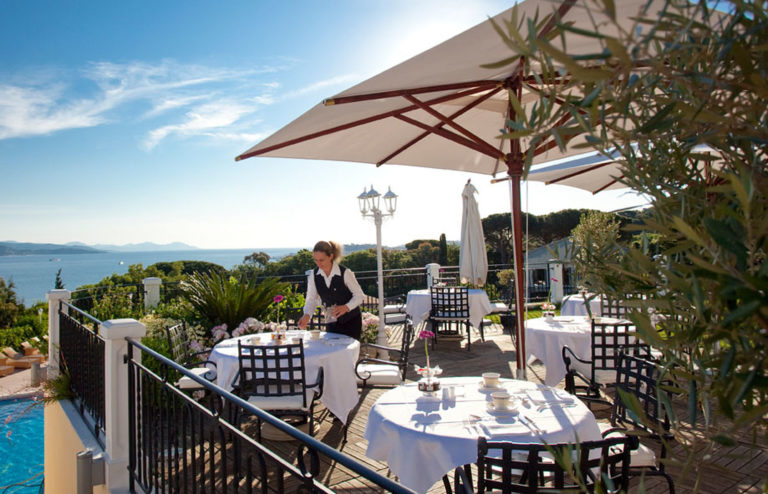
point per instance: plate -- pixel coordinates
(482, 387)
(493, 411)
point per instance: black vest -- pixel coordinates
(336, 294)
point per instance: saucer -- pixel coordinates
(482, 387)
(494, 411)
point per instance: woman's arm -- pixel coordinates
(313, 299)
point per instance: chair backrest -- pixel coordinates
(272, 370)
(449, 301)
(639, 377)
(612, 308)
(405, 346)
(608, 342)
(507, 467)
(445, 280)
(178, 342)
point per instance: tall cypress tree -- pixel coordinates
(443, 255)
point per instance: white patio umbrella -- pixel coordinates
(444, 109)
(473, 258)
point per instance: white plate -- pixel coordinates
(493, 411)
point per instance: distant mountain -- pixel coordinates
(142, 247)
(10, 248)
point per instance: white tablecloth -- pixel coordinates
(573, 305)
(545, 341)
(419, 303)
(423, 438)
(335, 353)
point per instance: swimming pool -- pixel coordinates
(21, 446)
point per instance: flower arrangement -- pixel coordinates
(429, 383)
(370, 330)
(278, 300)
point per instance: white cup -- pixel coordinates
(449, 393)
(500, 400)
(491, 379)
(314, 334)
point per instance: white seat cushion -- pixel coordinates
(291, 402)
(393, 309)
(381, 374)
(189, 383)
(641, 457)
(499, 307)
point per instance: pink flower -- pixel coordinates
(554, 279)
(425, 334)
(196, 346)
(278, 298)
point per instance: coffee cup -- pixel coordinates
(500, 400)
(314, 334)
(491, 379)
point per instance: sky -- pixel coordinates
(120, 122)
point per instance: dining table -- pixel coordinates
(422, 436)
(419, 302)
(336, 354)
(576, 305)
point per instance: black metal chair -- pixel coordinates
(638, 379)
(273, 378)
(506, 467)
(195, 362)
(394, 309)
(612, 308)
(378, 372)
(449, 312)
(445, 280)
(608, 340)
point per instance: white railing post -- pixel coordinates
(556, 287)
(433, 271)
(55, 297)
(116, 399)
(151, 292)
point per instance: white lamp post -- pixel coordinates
(369, 208)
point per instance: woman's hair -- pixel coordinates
(329, 248)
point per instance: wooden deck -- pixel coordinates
(740, 469)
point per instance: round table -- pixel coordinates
(419, 302)
(335, 353)
(422, 437)
(575, 305)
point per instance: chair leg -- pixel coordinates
(469, 335)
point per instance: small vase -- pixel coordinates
(429, 385)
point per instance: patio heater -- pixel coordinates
(369, 208)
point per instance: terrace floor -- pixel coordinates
(740, 469)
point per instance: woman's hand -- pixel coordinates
(304, 321)
(339, 311)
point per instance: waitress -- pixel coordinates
(334, 286)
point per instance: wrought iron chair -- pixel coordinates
(445, 280)
(506, 467)
(273, 378)
(195, 362)
(608, 340)
(378, 372)
(394, 309)
(292, 315)
(449, 312)
(637, 379)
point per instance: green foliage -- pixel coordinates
(58, 284)
(415, 244)
(257, 258)
(178, 270)
(594, 244)
(9, 304)
(15, 336)
(116, 302)
(226, 300)
(442, 257)
(684, 75)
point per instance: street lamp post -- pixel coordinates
(369, 208)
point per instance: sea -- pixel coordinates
(34, 275)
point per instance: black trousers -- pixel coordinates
(350, 324)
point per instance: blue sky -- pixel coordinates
(120, 121)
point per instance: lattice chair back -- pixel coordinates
(379, 372)
(275, 374)
(178, 343)
(445, 281)
(613, 308)
(449, 303)
(506, 467)
(195, 362)
(609, 340)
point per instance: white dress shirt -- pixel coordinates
(313, 299)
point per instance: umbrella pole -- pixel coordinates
(517, 252)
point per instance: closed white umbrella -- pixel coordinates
(473, 259)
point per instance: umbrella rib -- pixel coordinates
(418, 138)
(356, 123)
(607, 185)
(485, 148)
(447, 121)
(402, 92)
(579, 172)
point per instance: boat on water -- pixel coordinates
(55, 259)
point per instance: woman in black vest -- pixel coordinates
(330, 284)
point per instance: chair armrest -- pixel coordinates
(567, 359)
(461, 482)
(370, 360)
(318, 384)
(379, 347)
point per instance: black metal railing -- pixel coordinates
(81, 354)
(178, 444)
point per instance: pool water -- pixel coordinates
(21, 446)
